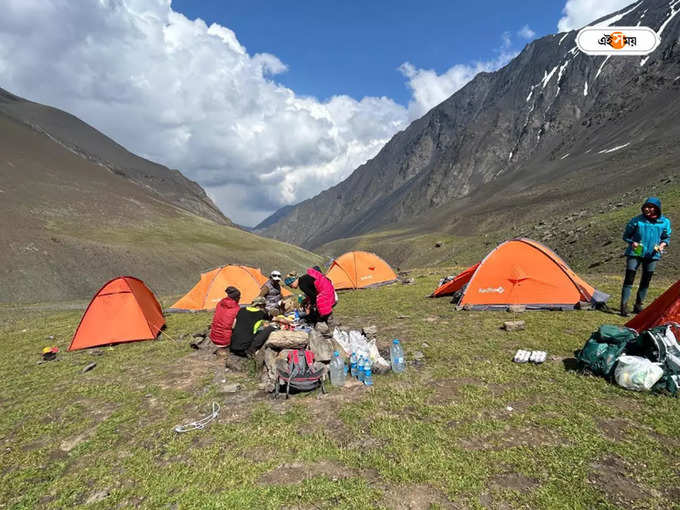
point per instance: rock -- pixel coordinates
(236, 363)
(425, 345)
(584, 305)
(403, 316)
(517, 308)
(89, 367)
(201, 334)
(282, 339)
(230, 388)
(323, 328)
(97, 496)
(438, 244)
(408, 281)
(418, 356)
(51, 337)
(321, 346)
(514, 325)
(369, 331)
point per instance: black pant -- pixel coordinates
(258, 341)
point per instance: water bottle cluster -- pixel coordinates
(361, 367)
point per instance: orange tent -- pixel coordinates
(211, 288)
(124, 310)
(521, 272)
(358, 270)
(664, 309)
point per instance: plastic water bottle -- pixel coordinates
(337, 370)
(368, 376)
(297, 315)
(397, 357)
(353, 364)
(360, 369)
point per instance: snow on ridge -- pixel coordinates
(547, 76)
(600, 69)
(672, 4)
(566, 155)
(644, 60)
(585, 88)
(607, 151)
(617, 17)
(510, 155)
(563, 38)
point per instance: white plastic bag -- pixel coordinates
(636, 373)
(354, 341)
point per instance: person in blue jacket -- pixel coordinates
(647, 236)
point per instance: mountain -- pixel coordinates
(553, 129)
(78, 210)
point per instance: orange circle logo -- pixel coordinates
(617, 41)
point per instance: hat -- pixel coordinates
(289, 280)
(259, 300)
(276, 275)
(233, 293)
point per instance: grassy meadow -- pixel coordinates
(463, 428)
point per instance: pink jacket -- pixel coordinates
(325, 297)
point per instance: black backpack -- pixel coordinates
(300, 374)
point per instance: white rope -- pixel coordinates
(199, 424)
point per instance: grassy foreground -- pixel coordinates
(466, 428)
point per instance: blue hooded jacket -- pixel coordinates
(648, 232)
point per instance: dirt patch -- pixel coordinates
(512, 438)
(415, 497)
(188, 371)
(287, 474)
(612, 476)
(514, 481)
(615, 427)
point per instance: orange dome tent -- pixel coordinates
(124, 310)
(664, 309)
(358, 270)
(521, 272)
(211, 288)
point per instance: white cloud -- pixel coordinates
(578, 13)
(526, 33)
(428, 88)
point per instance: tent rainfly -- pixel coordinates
(124, 310)
(359, 270)
(211, 288)
(521, 272)
(664, 309)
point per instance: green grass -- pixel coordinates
(441, 433)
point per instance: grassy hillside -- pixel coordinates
(462, 428)
(70, 225)
(588, 237)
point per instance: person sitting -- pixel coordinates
(223, 319)
(320, 295)
(251, 329)
(271, 292)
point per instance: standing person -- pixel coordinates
(320, 294)
(271, 292)
(647, 236)
(250, 330)
(223, 320)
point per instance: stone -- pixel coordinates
(408, 281)
(283, 339)
(323, 328)
(425, 345)
(403, 316)
(97, 496)
(514, 325)
(517, 308)
(418, 356)
(438, 244)
(321, 346)
(230, 388)
(369, 331)
(89, 367)
(584, 305)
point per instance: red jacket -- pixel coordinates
(223, 320)
(325, 297)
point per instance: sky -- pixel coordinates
(263, 103)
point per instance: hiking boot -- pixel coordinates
(624, 310)
(637, 308)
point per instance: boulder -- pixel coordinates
(283, 339)
(321, 346)
(514, 325)
(369, 331)
(517, 308)
(323, 328)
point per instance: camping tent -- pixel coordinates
(124, 310)
(358, 270)
(665, 308)
(211, 288)
(521, 272)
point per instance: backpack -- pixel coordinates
(659, 345)
(300, 373)
(603, 348)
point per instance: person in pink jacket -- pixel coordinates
(321, 296)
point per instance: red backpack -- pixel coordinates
(300, 374)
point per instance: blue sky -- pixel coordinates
(355, 48)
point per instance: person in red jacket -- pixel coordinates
(223, 320)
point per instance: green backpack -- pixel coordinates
(603, 348)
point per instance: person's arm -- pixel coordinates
(629, 232)
(665, 236)
(264, 291)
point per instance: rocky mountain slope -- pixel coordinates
(554, 128)
(71, 222)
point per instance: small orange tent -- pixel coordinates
(521, 271)
(124, 310)
(358, 270)
(664, 309)
(211, 288)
